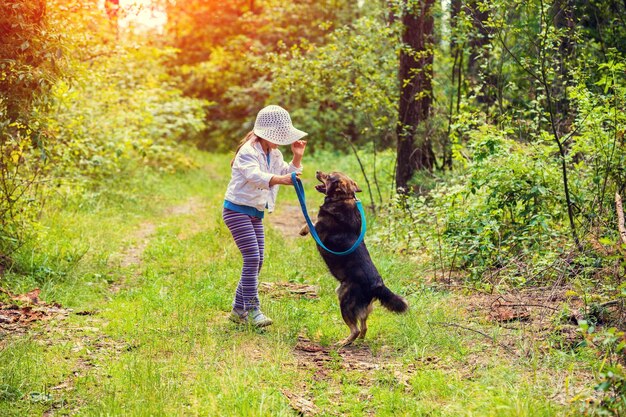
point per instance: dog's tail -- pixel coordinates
(391, 301)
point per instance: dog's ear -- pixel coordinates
(344, 186)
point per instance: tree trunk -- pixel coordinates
(564, 20)
(456, 52)
(478, 54)
(391, 14)
(416, 71)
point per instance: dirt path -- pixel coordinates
(288, 220)
(132, 255)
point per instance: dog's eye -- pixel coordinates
(343, 186)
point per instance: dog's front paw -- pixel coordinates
(305, 230)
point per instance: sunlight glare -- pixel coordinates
(142, 15)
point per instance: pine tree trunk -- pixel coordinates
(416, 70)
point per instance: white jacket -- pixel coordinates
(250, 176)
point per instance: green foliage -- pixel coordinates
(22, 170)
(124, 111)
(344, 90)
(203, 25)
(602, 24)
(29, 55)
(223, 58)
(113, 109)
(510, 203)
(601, 122)
(503, 206)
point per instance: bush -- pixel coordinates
(124, 112)
(346, 89)
(106, 114)
(30, 52)
(504, 205)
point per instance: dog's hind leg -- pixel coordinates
(363, 320)
(351, 320)
(354, 333)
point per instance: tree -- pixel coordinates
(198, 26)
(416, 71)
(457, 55)
(29, 53)
(28, 56)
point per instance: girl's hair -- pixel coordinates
(249, 136)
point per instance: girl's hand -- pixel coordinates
(282, 179)
(298, 148)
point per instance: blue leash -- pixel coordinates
(297, 184)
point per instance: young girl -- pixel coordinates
(257, 170)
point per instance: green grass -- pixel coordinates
(160, 343)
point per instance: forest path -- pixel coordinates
(155, 340)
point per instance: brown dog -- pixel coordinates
(338, 226)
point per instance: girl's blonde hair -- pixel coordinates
(249, 136)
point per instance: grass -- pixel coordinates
(159, 344)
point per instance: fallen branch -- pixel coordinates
(492, 338)
(610, 303)
(527, 305)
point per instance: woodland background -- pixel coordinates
(489, 136)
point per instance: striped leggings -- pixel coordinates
(250, 239)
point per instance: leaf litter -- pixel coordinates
(24, 309)
(538, 311)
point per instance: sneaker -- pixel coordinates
(258, 319)
(238, 316)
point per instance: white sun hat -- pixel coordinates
(273, 124)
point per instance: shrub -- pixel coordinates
(124, 112)
(30, 52)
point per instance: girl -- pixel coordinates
(257, 170)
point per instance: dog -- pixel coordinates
(338, 225)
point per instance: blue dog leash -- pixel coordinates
(297, 184)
